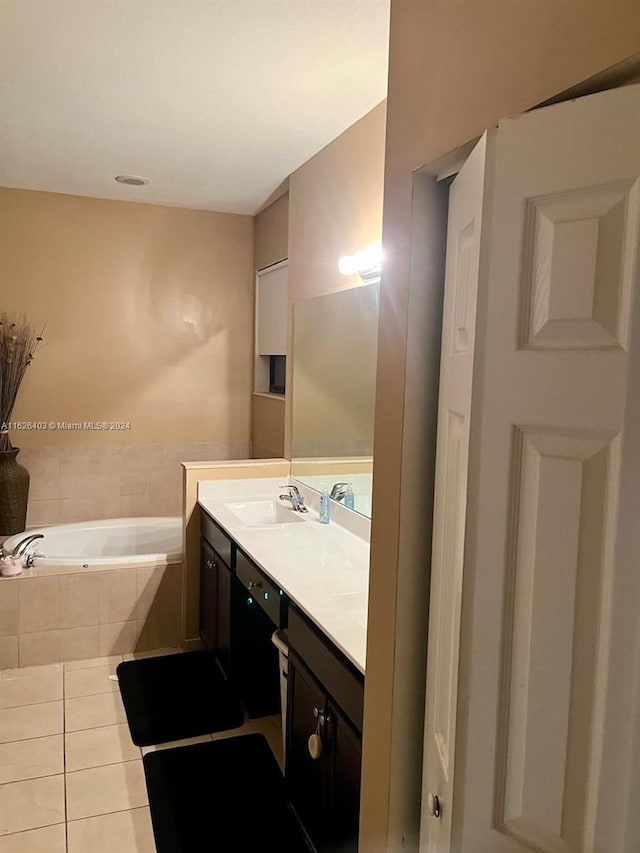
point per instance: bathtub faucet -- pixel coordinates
(23, 544)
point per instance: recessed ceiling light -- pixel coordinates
(132, 180)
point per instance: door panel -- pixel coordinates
(456, 375)
(226, 607)
(344, 816)
(307, 777)
(554, 580)
(544, 735)
(208, 596)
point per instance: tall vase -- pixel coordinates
(14, 493)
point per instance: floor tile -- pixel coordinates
(112, 662)
(101, 790)
(27, 688)
(125, 832)
(270, 727)
(89, 682)
(99, 746)
(157, 653)
(27, 805)
(49, 839)
(89, 712)
(29, 759)
(30, 671)
(31, 721)
(171, 744)
(9, 651)
(244, 729)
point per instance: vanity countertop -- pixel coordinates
(323, 569)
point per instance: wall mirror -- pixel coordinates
(335, 347)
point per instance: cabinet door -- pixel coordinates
(225, 604)
(344, 783)
(255, 658)
(208, 596)
(271, 311)
(306, 776)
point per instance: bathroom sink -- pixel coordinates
(263, 513)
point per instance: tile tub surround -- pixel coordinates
(80, 484)
(88, 613)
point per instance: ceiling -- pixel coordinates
(215, 101)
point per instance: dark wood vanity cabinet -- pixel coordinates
(345, 774)
(307, 778)
(216, 605)
(240, 608)
(208, 595)
(324, 789)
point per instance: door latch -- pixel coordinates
(433, 802)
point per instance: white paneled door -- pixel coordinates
(464, 231)
(532, 739)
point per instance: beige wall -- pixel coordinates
(335, 209)
(271, 246)
(455, 69)
(148, 315)
(267, 438)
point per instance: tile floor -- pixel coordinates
(71, 780)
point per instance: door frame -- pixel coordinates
(396, 650)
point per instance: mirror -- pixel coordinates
(335, 348)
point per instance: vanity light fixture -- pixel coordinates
(367, 263)
(132, 180)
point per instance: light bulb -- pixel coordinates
(347, 265)
(367, 260)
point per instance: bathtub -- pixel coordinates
(108, 542)
(96, 589)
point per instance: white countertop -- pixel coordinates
(322, 568)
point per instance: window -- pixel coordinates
(277, 373)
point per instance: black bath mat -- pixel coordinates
(176, 697)
(224, 796)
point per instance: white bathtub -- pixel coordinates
(108, 542)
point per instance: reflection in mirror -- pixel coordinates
(335, 350)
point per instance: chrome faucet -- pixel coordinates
(293, 495)
(338, 491)
(23, 544)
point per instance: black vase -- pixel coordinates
(14, 493)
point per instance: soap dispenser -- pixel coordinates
(349, 497)
(325, 507)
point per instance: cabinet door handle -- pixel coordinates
(211, 564)
(254, 585)
(315, 744)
